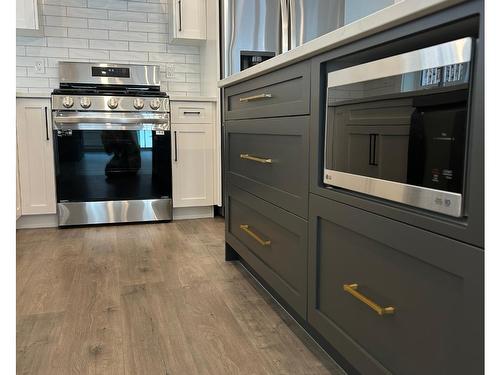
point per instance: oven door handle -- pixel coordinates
(110, 118)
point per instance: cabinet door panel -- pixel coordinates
(433, 283)
(188, 20)
(18, 189)
(192, 165)
(36, 156)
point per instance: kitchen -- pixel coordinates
(262, 187)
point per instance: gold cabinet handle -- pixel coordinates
(255, 158)
(244, 228)
(255, 97)
(352, 289)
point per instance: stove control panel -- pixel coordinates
(155, 103)
(112, 103)
(138, 103)
(68, 102)
(85, 102)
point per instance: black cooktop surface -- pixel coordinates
(117, 90)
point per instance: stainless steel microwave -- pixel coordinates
(396, 128)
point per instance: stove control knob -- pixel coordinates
(138, 103)
(112, 103)
(85, 102)
(155, 103)
(68, 102)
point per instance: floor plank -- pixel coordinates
(149, 299)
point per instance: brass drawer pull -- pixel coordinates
(244, 228)
(254, 158)
(255, 97)
(352, 289)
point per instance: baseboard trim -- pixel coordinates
(185, 213)
(37, 221)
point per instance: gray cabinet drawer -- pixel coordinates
(273, 242)
(433, 283)
(269, 158)
(281, 93)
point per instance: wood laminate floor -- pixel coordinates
(152, 299)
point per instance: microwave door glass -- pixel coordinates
(401, 137)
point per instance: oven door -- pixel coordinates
(112, 163)
(396, 128)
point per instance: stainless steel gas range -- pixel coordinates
(112, 145)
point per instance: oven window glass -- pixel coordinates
(101, 165)
(409, 128)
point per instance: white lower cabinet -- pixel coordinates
(35, 157)
(192, 165)
(18, 189)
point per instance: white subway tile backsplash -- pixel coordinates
(21, 71)
(67, 42)
(53, 62)
(183, 86)
(105, 30)
(129, 36)
(167, 57)
(187, 68)
(87, 13)
(71, 3)
(92, 54)
(148, 27)
(40, 90)
(108, 4)
(160, 17)
(157, 38)
(32, 82)
(47, 51)
(49, 72)
(146, 7)
(128, 56)
(192, 59)
(127, 16)
(148, 47)
(27, 60)
(107, 24)
(31, 41)
(109, 44)
(88, 33)
(187, 50)
(53, 10)
(66, 21)
(192, 77)
(55, 31)
(20, 50)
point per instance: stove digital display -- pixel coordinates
(98, 71)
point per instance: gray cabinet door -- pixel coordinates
(273, 242)
(281, 93)
(270, 158)
(434, 285)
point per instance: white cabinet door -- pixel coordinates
(188, 20)
(27, 15)
(192, 165)
(18, 189)
(36, 157)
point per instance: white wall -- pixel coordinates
(105, 30)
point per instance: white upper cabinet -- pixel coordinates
(35, 157)
(27, 16)
(188, 20)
